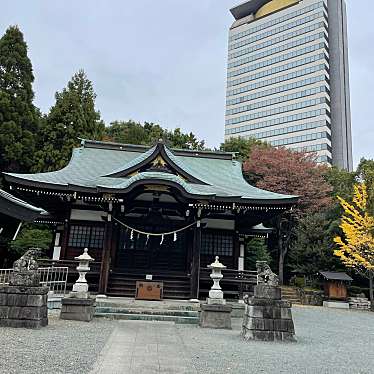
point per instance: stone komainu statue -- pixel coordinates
(25, 269)
(265, 275)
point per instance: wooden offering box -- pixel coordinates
(149, 290)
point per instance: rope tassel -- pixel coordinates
(175, 237)
(162, 239)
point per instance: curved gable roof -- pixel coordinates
(104, 167)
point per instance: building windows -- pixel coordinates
(271, 112)
(86, 236)
(268, 82)
(280, 39)
(275, 90)
(277, 30)
(217, 243)
(287, 130)
(277, 21)
(277, 121)
(277, 100)
(313, 148)
(278, 69)
(324, 158)
(300, 138)
(277, 59)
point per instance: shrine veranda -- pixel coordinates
(152, 211)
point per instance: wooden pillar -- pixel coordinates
(241, 254)
(195, 267)
(64, 241)
(105, 258)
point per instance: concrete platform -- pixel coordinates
(126, 302)
(336, 304)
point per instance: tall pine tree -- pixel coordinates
(73, 116)
(18, 117)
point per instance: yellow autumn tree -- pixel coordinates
(356, 247)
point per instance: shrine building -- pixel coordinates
(152, 212)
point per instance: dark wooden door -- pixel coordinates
(139, 253)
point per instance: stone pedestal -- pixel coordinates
(267, 317)
(215, 316)
(23, 306)
(77, 309)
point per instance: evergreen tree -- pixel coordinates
(256, 250)
(241, 146)
(365, 174)
(73, 116)
(131, 132)
(312, 249)
(18, 116)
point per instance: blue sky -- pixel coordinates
(164, 61)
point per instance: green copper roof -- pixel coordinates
(11, 206)
(95, 167)
(14, 200)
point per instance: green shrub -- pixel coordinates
(32, 236)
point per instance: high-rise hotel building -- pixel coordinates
(287, 78)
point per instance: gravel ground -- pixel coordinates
(61, 347)
(329, 342)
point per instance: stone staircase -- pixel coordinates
(176, 286)
(290, 294)
(170, 311)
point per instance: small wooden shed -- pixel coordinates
(335, 284)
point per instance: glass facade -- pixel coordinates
(277, 121)
(284, 58)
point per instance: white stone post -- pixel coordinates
(80, 287)
(215, 293)
(241, 256)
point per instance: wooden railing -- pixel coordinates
(235, 283)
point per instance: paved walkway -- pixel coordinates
(328, 342)
(144, 348)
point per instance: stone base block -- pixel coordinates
(336, 304)
(263, 291)
(211, 301)
(77, 309)
(22, 306)
(268, 335)
(266, 317)
(24, 323)
(215, 316)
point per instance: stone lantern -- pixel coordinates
(79, 305)
(215, 293)
(81, 286)
(215, 314)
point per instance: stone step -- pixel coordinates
(290, 296)
(150, 317)
(293, 301)
(147, 311)
(131, 303)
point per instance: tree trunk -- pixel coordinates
(371, 292)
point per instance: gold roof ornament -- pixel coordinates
(274, 6)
